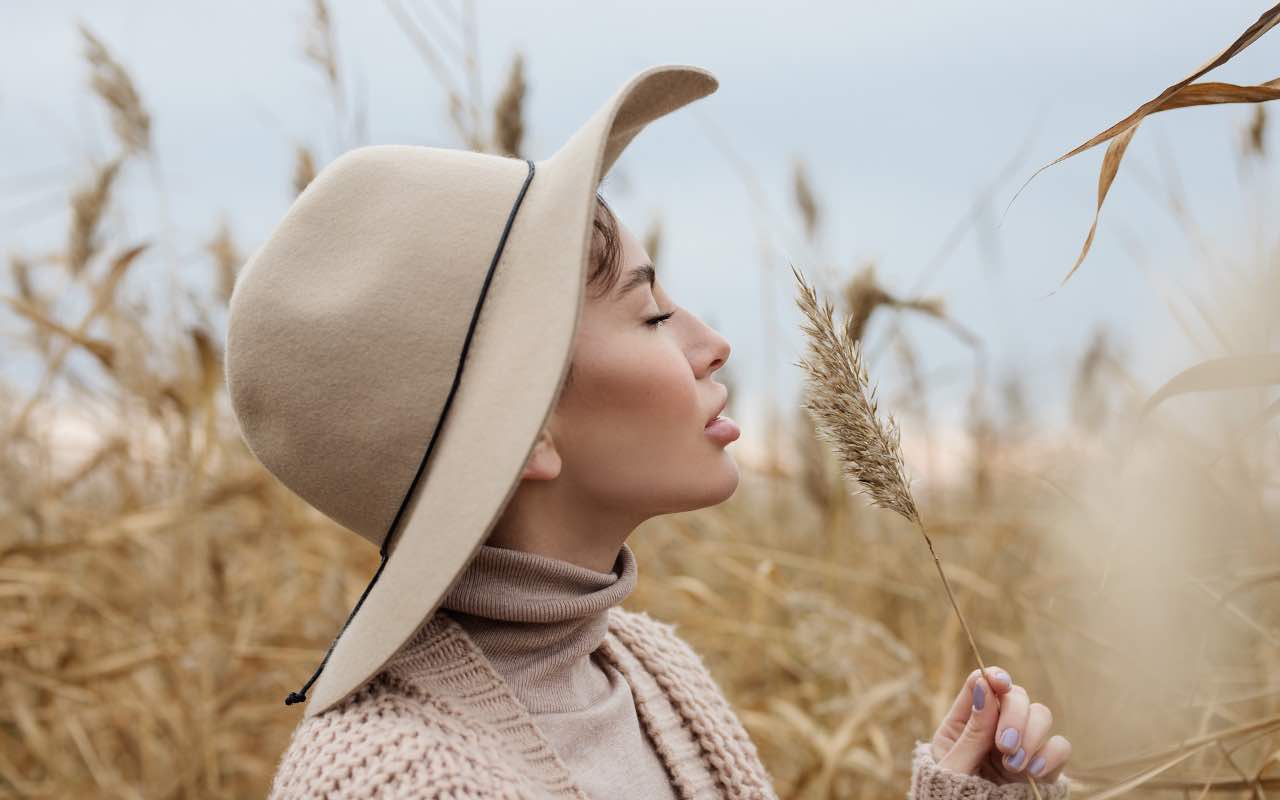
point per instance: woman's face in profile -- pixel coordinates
(630, 426)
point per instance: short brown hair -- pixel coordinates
(606, 250)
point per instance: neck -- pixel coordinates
(542, 518)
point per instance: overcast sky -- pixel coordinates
(902, 112)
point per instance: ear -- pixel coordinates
(544, 462)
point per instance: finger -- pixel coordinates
(1013, 720)
(953, 724)
(974, 742)
(999, 679)
(1047, 763)
(1039, 719)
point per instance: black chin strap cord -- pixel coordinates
(298, 697)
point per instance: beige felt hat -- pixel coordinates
(350, 327)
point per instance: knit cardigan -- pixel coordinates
(438, 722)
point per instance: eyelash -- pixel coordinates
(657, 321)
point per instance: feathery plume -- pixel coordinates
(844, 410)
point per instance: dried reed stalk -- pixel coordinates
(449, 46)
(508, 112)
(111, 82)
(863, 294)
(304, 168)
(88, 204)
(842, 403)
(227, 259)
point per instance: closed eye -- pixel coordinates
(657, 321)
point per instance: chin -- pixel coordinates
(722, 481)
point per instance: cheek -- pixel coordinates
(646, 391)
(630, 400)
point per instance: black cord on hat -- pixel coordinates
(298, 697)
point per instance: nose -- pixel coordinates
(717, 350)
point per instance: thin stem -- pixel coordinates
(946, 584)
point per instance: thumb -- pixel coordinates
(978, 737)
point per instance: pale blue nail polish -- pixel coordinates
(978, 696)
(1037, 766)
(1004, 676)
(1009, 738)
(1018, 758)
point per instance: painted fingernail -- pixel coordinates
(1018, 757)
(1037, 765)
(1004, 678)
(1009, 738)
(978, 695)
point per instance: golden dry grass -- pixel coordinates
(160, 593)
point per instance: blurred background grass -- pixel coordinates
(160, 593)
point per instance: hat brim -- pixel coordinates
(514, 370)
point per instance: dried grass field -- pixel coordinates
(161, 593)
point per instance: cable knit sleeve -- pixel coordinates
(379, 743)
(932, 782)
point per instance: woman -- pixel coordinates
(524, 677)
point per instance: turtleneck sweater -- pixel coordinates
(541, 621)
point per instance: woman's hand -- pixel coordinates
(975, 737)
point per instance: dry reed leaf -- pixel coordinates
(104, 352)
(1232, 372)
(1178, 95)
(1106, 176)
(1127, 786)
(1264, 23)
(1196, 94)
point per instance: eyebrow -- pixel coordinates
(639, 276)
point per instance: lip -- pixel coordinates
(719, 411)
(723, 430)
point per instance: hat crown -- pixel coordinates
(346, 328)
